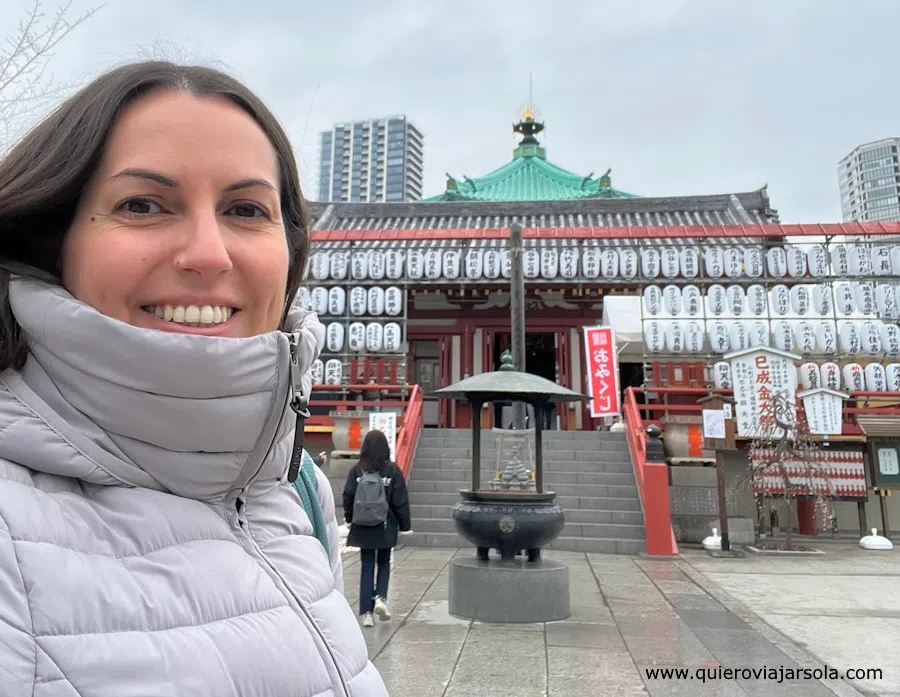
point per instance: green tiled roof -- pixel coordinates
(529, 177)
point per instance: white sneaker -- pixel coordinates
(381, 609)
(368, 620)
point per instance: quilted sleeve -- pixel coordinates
(326, 500)
(17, 649)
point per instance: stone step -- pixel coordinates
(551, 478)
(421, 486)
(610, 462)
(563, 544)
(445, 512)
(457, 434)
(584, 503)
(568, 451)
(587, 530)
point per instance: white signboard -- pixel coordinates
(887, 461)
(758, 376)
(386, 422)
(823, 409)
(713, 423)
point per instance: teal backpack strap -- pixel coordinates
(305, 486)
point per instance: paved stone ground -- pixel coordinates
(630, 615)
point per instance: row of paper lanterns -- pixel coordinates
(374, 301)
(844, 299)
(848, 338)
(330, 372)
(875, 377)
(608, 263)
(372, 337)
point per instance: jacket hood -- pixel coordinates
(199, 417)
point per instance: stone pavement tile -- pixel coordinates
(712, 619)
(589, 612)
(435, 612)
(420, 659)
(768, 688)
(596, 636)
(500, 641)
(652, 607)
(610, 561)
(511, 626)
(663, 627)
(494, 660)
(629, 592)
(580, 672)
(680, 587)
(735, 648)
(682, 648)
(694, 601)
(661, 570)
(672, 687)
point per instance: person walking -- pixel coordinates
(376, 507)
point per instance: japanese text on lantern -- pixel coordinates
(602, 371)
(758, 378)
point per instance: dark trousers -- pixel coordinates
(369, 586)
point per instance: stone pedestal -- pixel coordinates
(518, 592)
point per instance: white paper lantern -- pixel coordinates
(609, 264)
(892, 377)
(394, 262)
(337, 301)
(783, 333)
(670, 263)
(890, 339)
(492, 264)
(852, 377)
(690, 263)
(334, 337)
(800, 299)
(340, 265)
(374, 337)
(654, 336)
(796, 262)
(672, 299)
(826, 338)
(714, 262)
(831, 376)
(452, 262)
(818, 261)
(843, 299)
(377, 265)
(549, 263)
(334, 372)
(359, 301)
(359, 266)
(781, 300)
(876, 379)
(722, 375)
(320, 300)
(716, 300)
(739, 336)
(757, 300)
(692, 301)
(652, 300)
(568, 263)
(392, 337)
(864, 294)
(415, 264)
(895, 258)
(776, 262)
(719, 340)
(356, 337)
(734, 263)
(475, 263)
(753, 262)
(805, 338)
(735, 299)
(318, 372)
(650, 263)
(810, 377)
(590, 263)
(531, 263)
(506, 264)
(320, 265)
(628, 263)
(434, 264)
(759, 334)
(822, 300)
(870, 338)
(851, 342)
(860, 261)
(840, 261)
(393, 301)
(674, 338)
(881, 262)
(693, 337)
(886, 301)
(303, 299)
(375, 301)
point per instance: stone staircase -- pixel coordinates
(590, 471)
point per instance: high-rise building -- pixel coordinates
(869, 180)
(370, 161)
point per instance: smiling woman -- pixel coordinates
(152, 240)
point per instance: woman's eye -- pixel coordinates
(138, 207)
(247, 210)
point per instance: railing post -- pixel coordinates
(660, 541)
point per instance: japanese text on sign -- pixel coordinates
(602, 371)
(758, 378)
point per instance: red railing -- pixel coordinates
(653, 484)
(408, 437)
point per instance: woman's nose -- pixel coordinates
(204, 250)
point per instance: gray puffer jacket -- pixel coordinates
(150, 545)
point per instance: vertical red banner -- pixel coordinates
(602, 371)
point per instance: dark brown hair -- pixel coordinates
(44, 176)
(375, 452)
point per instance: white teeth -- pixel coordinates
(193, 315)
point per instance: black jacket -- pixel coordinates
(380, 537)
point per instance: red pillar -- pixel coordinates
(806, 516)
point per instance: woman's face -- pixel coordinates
(180, 228)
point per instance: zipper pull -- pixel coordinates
(299, 401)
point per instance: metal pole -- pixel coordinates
(723, 512)
(539, 408)
(476, 445)
(517, 313)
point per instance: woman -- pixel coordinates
(376, 506)
(152, 236)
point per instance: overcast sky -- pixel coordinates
(676, 96)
